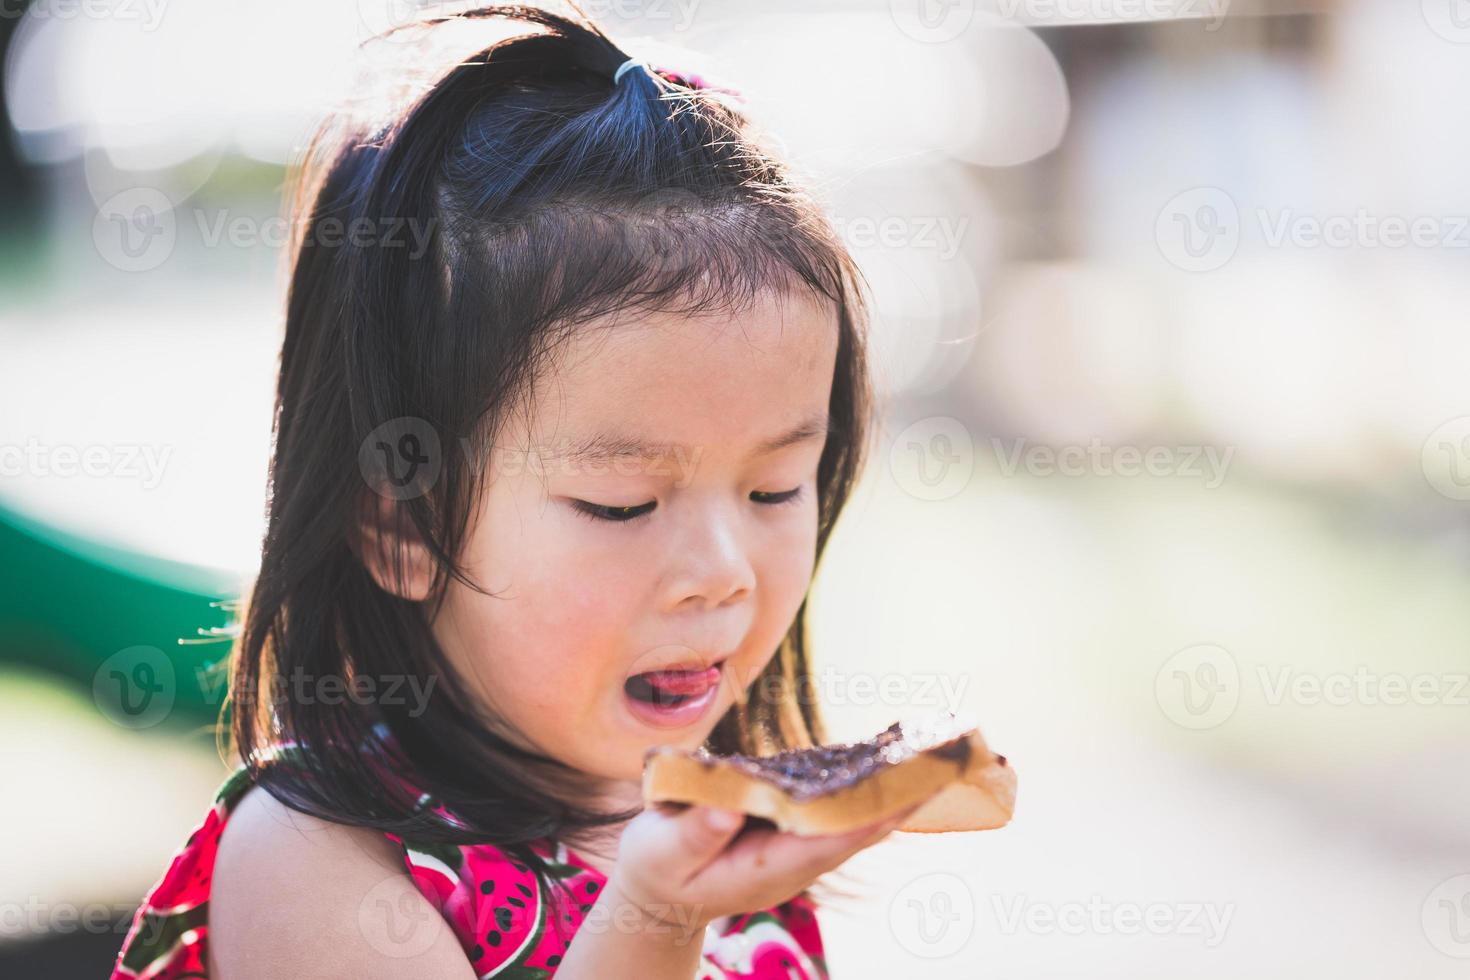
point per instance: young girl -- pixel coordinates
(571, 394)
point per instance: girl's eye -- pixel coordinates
(620, 515)
(784, 497)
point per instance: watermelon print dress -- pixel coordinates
(508, 927)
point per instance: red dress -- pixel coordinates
(507, 926)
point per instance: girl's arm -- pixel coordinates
(294, 896)
(679, 870)
(619, 940)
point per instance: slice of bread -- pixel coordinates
(941, 762)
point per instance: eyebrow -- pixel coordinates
(602, 448)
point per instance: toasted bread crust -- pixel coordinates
(965, 790)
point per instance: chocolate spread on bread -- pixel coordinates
(807, 773)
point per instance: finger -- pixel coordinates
(810, 853)
(693, 837)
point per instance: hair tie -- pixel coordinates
(631, 62)
(686, 79)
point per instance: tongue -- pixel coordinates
(686, 682)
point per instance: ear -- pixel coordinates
(391, 549)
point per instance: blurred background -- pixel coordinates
(1172, 489)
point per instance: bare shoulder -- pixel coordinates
(295, 896)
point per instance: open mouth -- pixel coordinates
(668, 688)
(672, 698)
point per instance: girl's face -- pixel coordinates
(607, 561)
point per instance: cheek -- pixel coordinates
(552, 573)
(539, 657)
(576, 600)
(788, 567)
(548, 634)
(558, 634)
(785, 573)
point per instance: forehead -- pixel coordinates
(732, 380)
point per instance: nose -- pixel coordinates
(711, 562)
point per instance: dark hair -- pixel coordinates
(550, 196)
